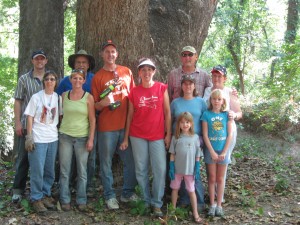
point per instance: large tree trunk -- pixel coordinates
(143, 28)
(41, 26)
(175, 24)
(124, 22)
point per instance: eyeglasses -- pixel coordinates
(187, 54)
(77, 71)
(50, 79)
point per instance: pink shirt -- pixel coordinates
(148, 120)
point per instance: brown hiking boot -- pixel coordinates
(39, 207)
(66, 207)
(82, 208)
(48, 202)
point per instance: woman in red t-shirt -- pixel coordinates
(149, 128)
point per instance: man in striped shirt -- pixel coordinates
(28, 84)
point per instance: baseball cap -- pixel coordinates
(107, 43)
(189, 49)
(38, 53)
(219, 68)
(147, 62)
(188, 77)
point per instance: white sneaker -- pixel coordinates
(132, 198)
(16, 198)
(112, 203)
(212, 210)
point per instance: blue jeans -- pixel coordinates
(109, 143)
(22, 167)
(145, 151)
(67, 145)
(42, 173)
(91, 164)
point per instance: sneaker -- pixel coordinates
(16, 198)
(48, 202)
(132, 198)
(212, 211)
(219, 211)
(66, 207)
(82, 208)
(157, 212)
(39, 207)
(112, 203)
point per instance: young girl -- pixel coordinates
(184, 160)
(217, 135)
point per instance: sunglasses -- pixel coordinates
(187, 54)
(50, 79)
(77, 71)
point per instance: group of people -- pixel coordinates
(151, 126)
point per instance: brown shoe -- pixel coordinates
(157, 212)
(82, 208)
(39, 207)
(48, 202)
(66, 207)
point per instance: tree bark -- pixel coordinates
(292, 21)
(41, 26)
(143, 28)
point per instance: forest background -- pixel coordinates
(258, 42)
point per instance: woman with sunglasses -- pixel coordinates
(76, 134)
(41, 142)
(190, 102)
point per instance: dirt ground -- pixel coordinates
(263, 187)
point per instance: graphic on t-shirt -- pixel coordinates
(216, 123)
(148, 102)
(119, 88)
(47, 116)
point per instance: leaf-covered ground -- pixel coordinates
(263, 187)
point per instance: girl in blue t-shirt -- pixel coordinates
(217, 135)
(184, 160)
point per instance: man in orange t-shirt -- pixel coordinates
(111, 123)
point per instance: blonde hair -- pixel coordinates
(218, 93)
(187, 116)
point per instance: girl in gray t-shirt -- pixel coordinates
(184, 160)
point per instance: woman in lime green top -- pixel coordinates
(76, 134)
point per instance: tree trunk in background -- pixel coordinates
(143, 28)
(41, 26)
(124, 22)
(175, 24)
(292, 21)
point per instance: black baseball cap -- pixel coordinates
(38, 53)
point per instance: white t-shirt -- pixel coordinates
(44, 109)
